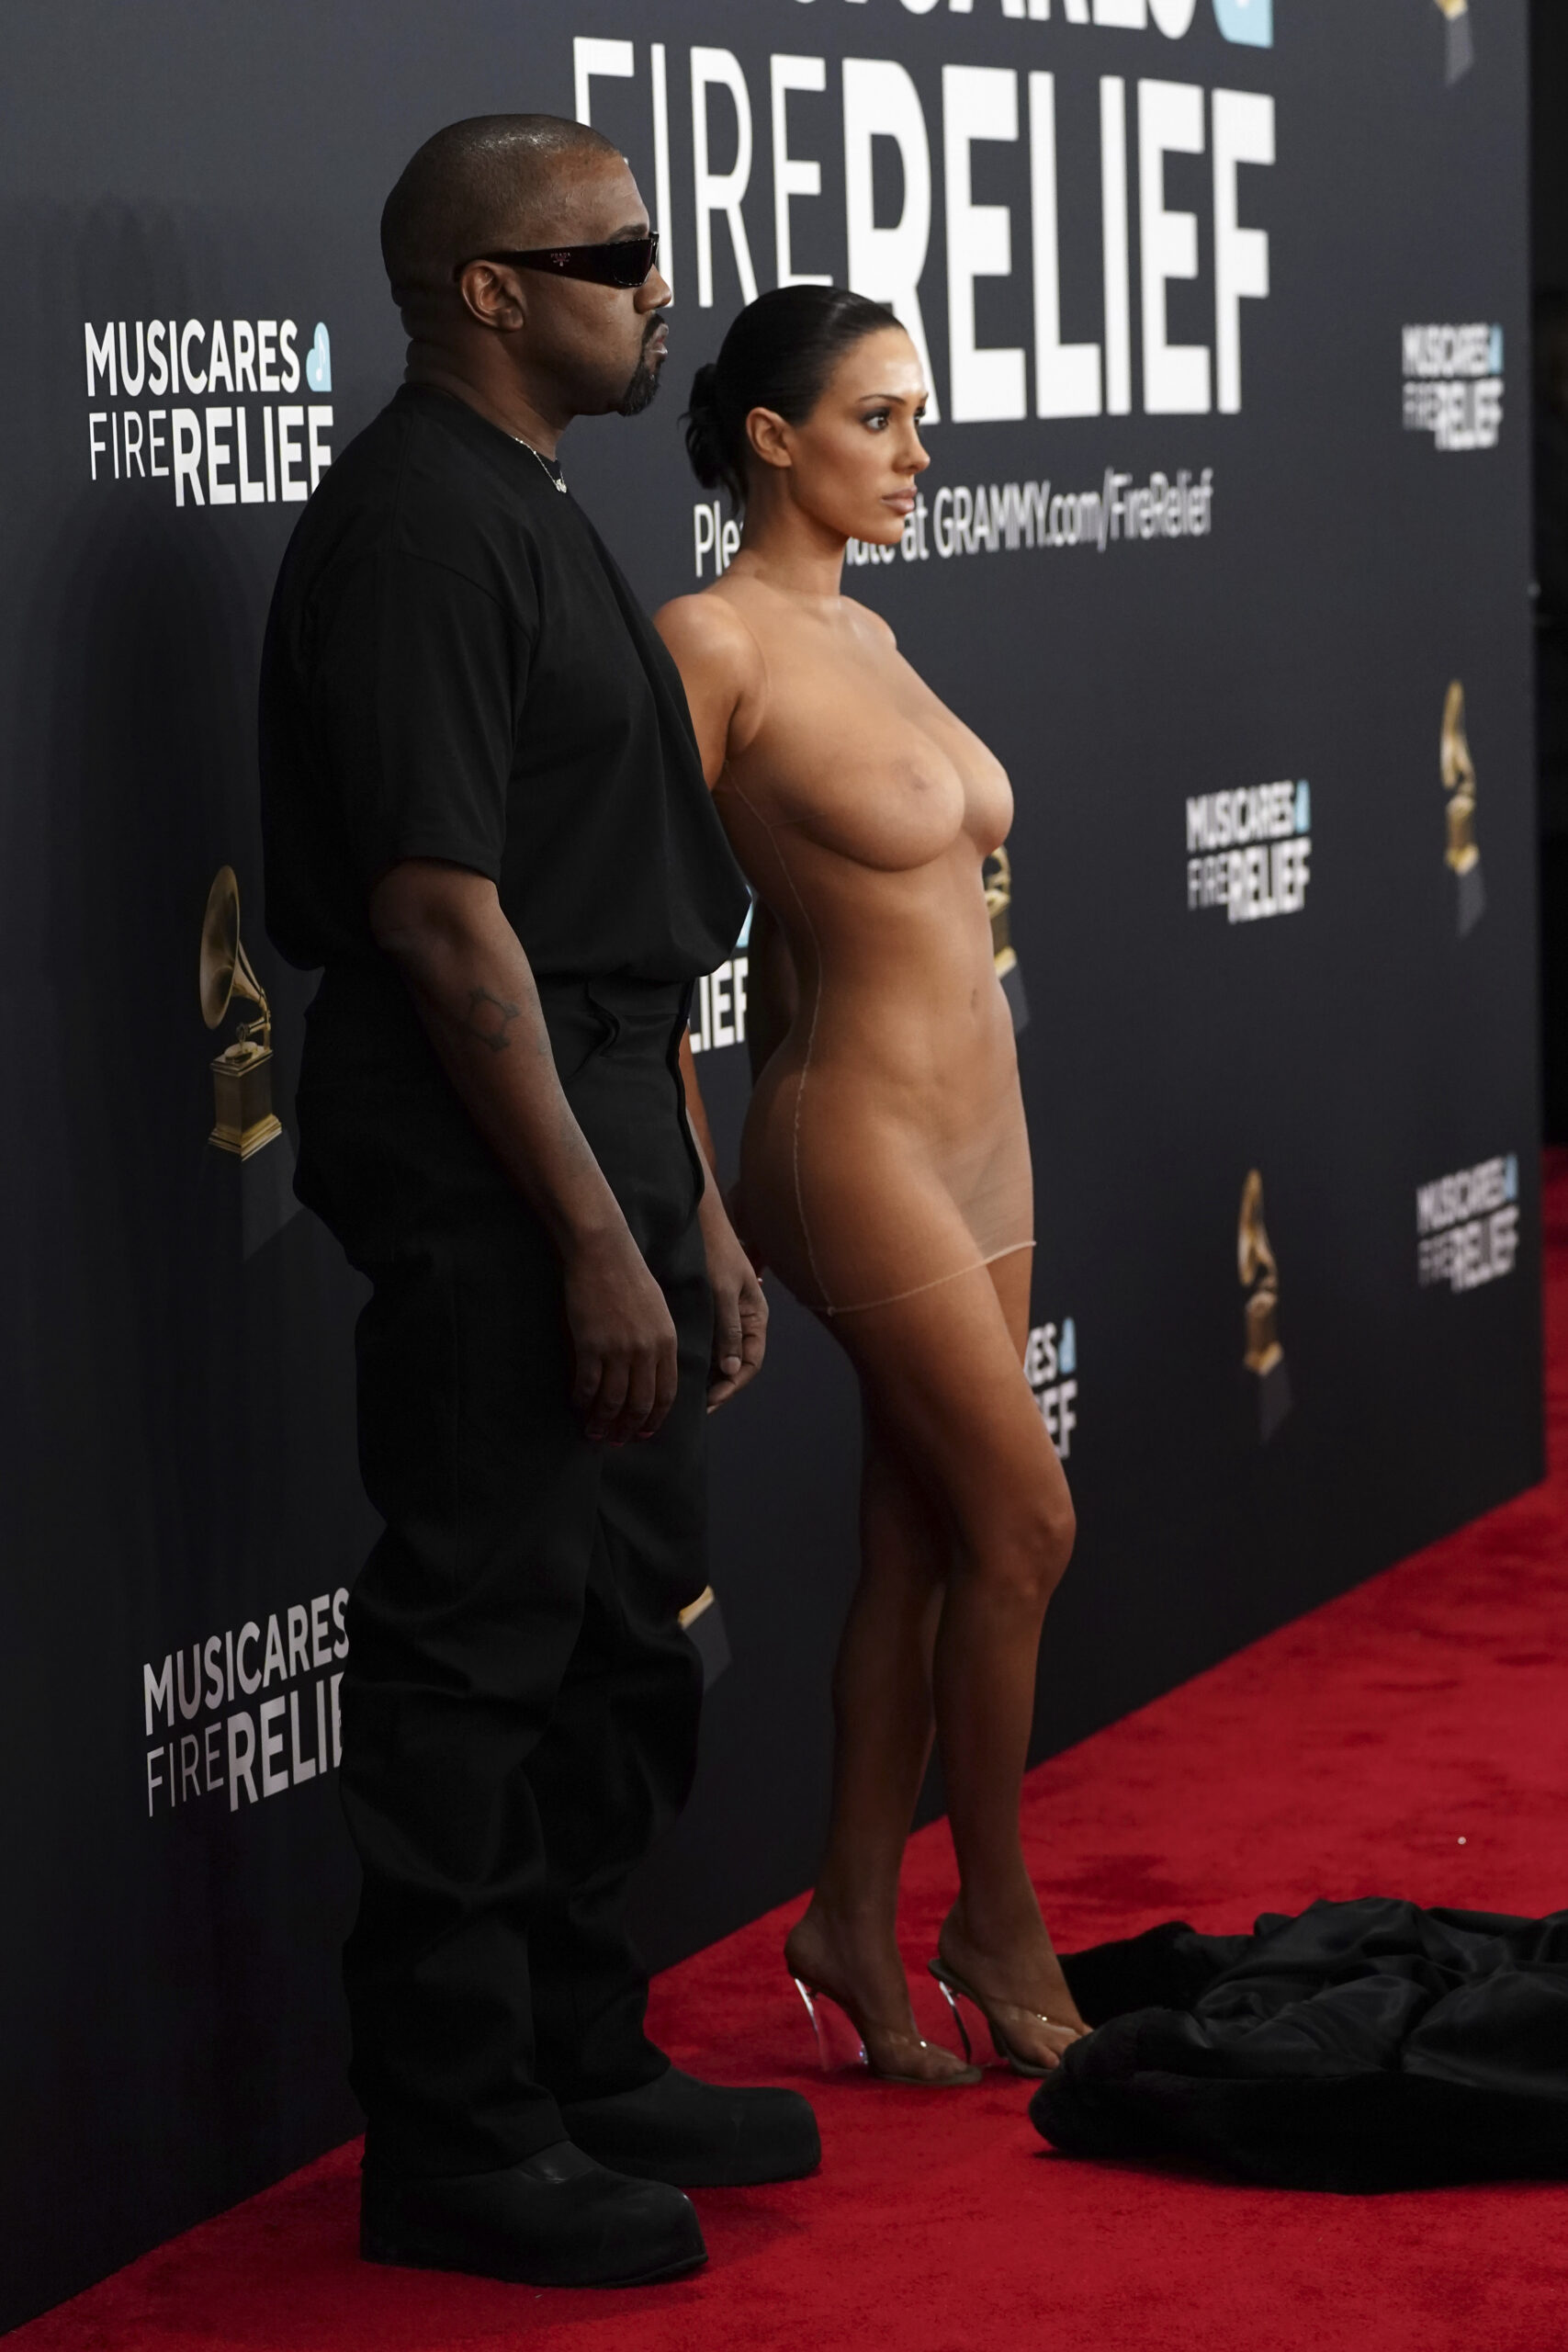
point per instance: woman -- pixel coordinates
(885, 1168)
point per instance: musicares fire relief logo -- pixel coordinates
(1454, 384)
(290, 1737)
(253, 447)
(1461, 855)
(1262, 1354)
(1251, 850)
(1467, 1225)
(1050, 1366)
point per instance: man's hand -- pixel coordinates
(739, 1310)
(463, 964)
(623, 1342)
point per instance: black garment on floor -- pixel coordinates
(1365, 2045)
(455, 670)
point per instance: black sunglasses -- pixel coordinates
(628, 262)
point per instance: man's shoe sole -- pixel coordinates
(405, 2257)
(678, 2172)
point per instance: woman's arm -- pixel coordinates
(721, 668)
(725, 676)
(719, 664)
(696, 1109)
(739, 1310)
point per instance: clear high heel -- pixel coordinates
(820, 2001)
(954, 1989)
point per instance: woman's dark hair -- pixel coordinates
(778, 353)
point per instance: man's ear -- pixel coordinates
(489, 291)
(769, 437)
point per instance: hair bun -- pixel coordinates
(705, 436)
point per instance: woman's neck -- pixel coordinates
(790, 551)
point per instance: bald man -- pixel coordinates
(486, 818)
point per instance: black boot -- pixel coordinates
(558, 2220)
(698, 2135)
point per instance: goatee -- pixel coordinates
(644, 383)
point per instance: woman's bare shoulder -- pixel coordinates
(705, 631)
(863, 617)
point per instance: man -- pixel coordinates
(485, 817)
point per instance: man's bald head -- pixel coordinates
(477, 186)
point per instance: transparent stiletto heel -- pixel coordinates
(954, 1989)
(820, 2027)
(951, 1998)
(822, 2006)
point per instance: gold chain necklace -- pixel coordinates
(551, 475)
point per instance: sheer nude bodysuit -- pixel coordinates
(884, 1175)
(884, 1149)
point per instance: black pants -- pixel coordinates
(520, 1705)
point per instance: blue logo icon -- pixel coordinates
(1303, 806)
(1250, 21)
(1511, 1177)
(1068, 1349)
(1495, 351)
(318, 361)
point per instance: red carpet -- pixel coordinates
(1411, 1738)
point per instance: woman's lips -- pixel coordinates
(901, 501)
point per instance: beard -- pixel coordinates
(639, 392)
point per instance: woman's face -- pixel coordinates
(852, 464)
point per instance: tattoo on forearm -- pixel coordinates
(489, 1019)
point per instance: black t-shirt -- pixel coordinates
(456, 669)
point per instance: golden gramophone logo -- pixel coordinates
(1263, 1356)
(1462, 46)
(1458, 771)
(244, 1122)
(997, 876)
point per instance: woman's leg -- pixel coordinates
(942, 1372)
(994, 1935)
(883, 1725)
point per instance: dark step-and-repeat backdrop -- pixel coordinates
(1223, 548)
